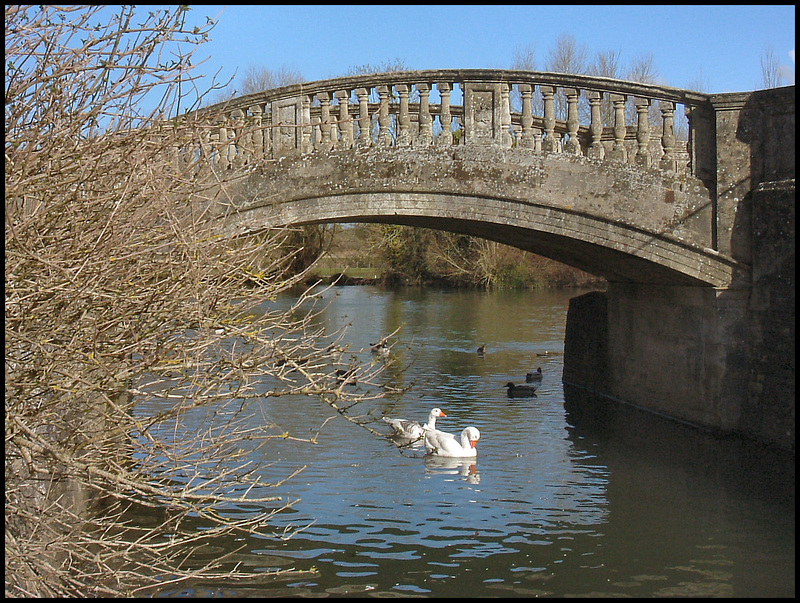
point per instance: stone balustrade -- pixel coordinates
(544, 112)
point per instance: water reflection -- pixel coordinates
(467, 469)
(583, 501)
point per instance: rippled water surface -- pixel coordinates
(617, 504)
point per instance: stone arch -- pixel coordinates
(615, 221)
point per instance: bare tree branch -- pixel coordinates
(138, 344)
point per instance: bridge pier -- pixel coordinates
(719, 358)
(675, 350)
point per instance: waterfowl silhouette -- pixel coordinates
(348, 377)
(534, 377)
(520, 391)
(481, 349)
(440, 443)
(412, 429)
(380, 348)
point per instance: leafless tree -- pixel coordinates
(136, 340)
(257, 79)
(607, 63)
(524, 58)
(643, 70)
(772, 73)
(387, 66)
(567, 56)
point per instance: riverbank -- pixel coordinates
(366, 276)
(352, 277)
(360, 254)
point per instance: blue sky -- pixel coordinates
(719, 45)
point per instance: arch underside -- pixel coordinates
(615, 251)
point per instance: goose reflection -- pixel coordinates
(466, 468)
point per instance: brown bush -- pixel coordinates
(118, 291)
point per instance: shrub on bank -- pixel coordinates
(395, 255)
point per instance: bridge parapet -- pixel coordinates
(596, 117)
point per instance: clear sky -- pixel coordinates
(720, 46)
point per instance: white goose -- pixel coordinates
(440, 443)
(412, 429)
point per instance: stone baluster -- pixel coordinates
(425, 120)
(345, 122)
(267, 132)
(618, 152)
(326, 144)
(222, 144)
(232, 132)
(668, 159)
(195, 156)
(334, 122)
(691, 145)
(643, 157)
(316, 138)
(239, 135)
(445, 118)
(550, 144)
(365, 134)
(206, 146)
(306, 146)
(237, 150)
(404, 119)
(214, 145)
(214, 150)
(257, 136)
(384, 136)
(181, 154)
(527, 141)
(174, 154)
(596, 150)
(506, 138)
(572, 145)
(537, 139)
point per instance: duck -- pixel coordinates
(441, 443)
(481, 349)
(348, 377)
(380, 348)
(412, 429)
(535, 377)
(520, 391)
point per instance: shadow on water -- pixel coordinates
(619, 427)
(678, 486)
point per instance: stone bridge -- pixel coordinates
(585, 170)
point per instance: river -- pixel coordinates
(614, 503)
